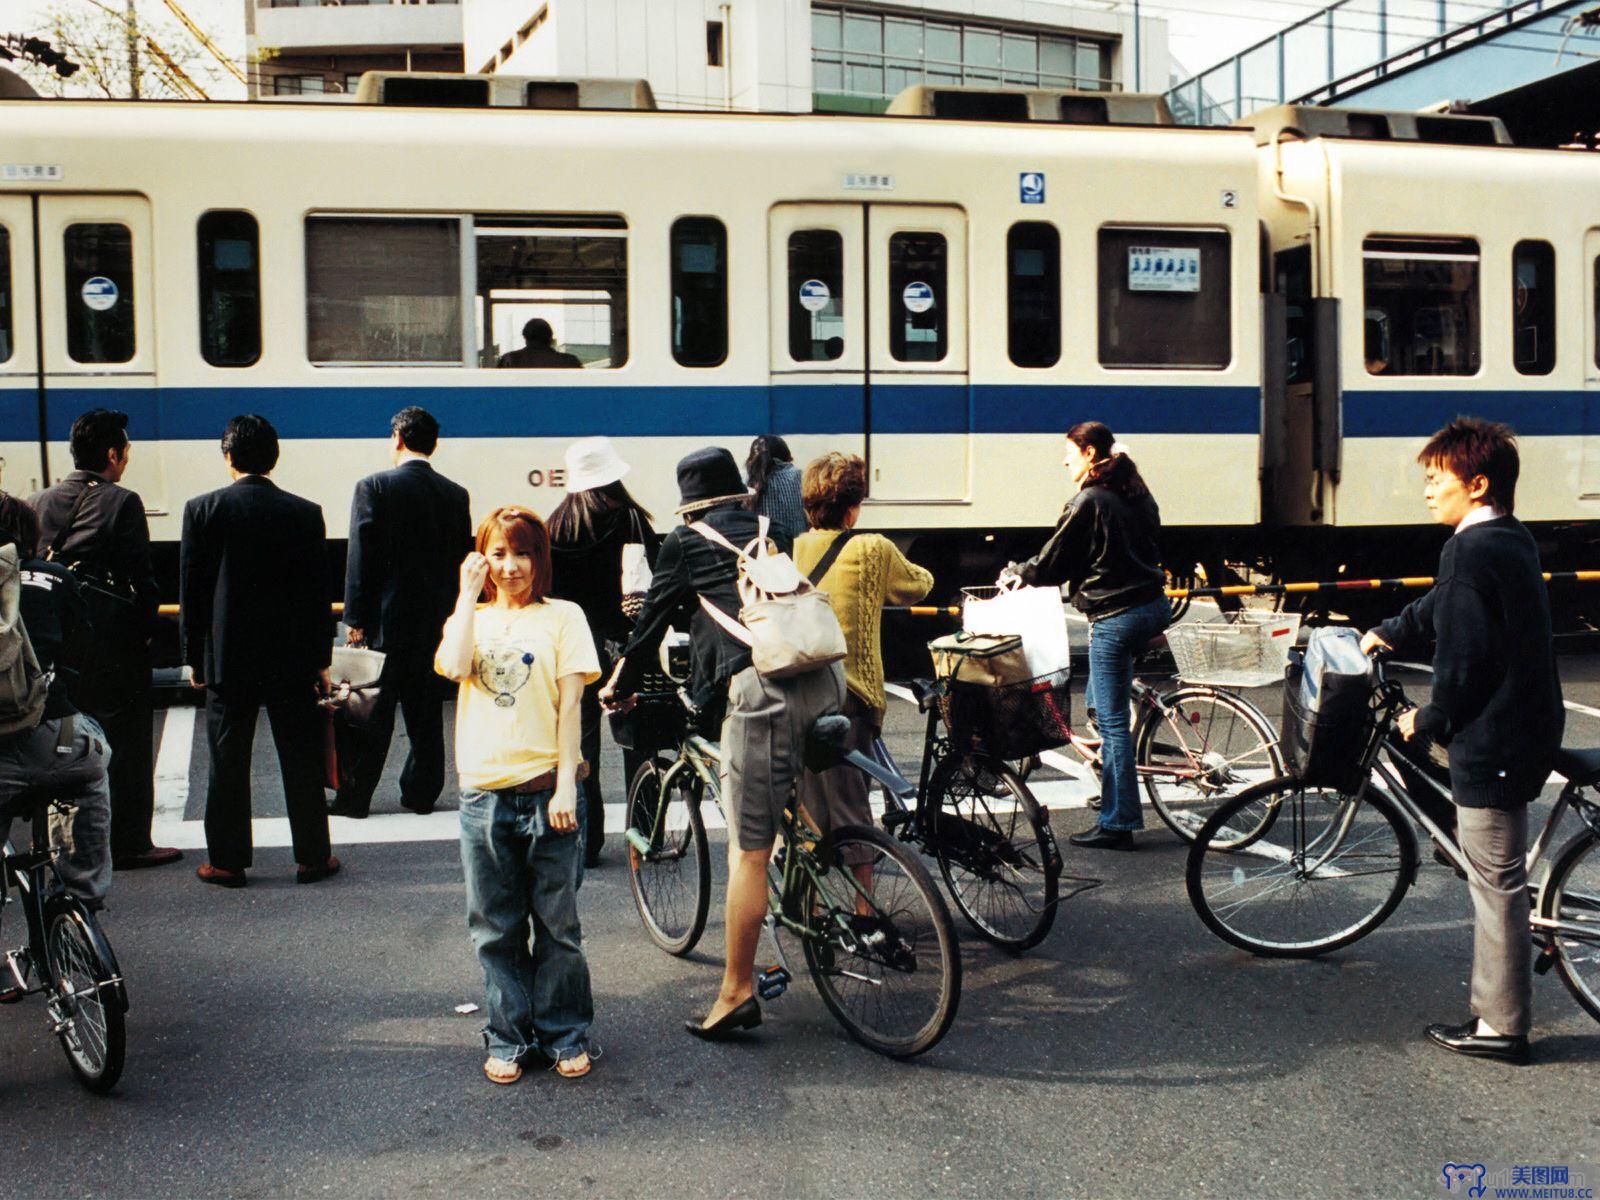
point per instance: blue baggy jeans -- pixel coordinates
(1113, 642)
(522, 879)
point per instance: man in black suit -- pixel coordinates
(257, 629)
(539, 349)
(91, 524)
(410, 528)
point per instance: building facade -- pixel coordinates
(817, 55)
(321, 47)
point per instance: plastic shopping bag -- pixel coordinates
(1035, 614)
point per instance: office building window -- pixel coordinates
(230, 289)
(866, 53)
(299, 85)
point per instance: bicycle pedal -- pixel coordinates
(773, 982)
(893, 820)
(638, 841)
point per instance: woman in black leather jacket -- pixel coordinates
(1107, 549)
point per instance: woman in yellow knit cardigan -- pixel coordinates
(867, 572)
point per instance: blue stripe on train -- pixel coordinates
(1419, 414)
(181, 413)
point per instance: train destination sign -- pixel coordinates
(1163, 269)
(814, 295)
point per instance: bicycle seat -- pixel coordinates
(27, 801)
(827, 741)
(923, 691)
(1581, 767)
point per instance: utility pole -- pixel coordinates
(133, 49)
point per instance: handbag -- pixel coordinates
(356, 673)
(788, 624)
(112, 604)
(636, 573)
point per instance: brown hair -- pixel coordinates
(1469, 447)
(524, 533)
(1114, 472)
(831, 487)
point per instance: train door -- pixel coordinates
(21, 468)
(1589, 480)
(869, 315)
(96, 294)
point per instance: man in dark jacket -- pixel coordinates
(1496, 705)
(91, 523)
(410, 528)
(257, 629)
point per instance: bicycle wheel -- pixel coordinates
(669, 861)
(995, 850)
(1207, 746)
(1572, 897)
(1321, 870)
(85, 997)
(883, 955)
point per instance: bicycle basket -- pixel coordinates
(1011, 720)
(1249, 650)
(653, 724)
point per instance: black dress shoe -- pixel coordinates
(1464, 1039)
(340, 809)
(1099, 837)
(746, 1016)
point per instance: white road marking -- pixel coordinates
(172, 764)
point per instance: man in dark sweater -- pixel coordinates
(1496, 705)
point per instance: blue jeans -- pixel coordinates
(1113, 642)
(520, 873)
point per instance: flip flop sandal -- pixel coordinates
(501, 1077)
(568, 1068)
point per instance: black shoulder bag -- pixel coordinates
(111, 602)
(829, 557)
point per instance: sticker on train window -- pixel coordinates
(99, 293)
(1163, 269)
(814, 295)
(918, 297)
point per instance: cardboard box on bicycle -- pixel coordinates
(987, 659)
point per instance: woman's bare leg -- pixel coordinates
(746, 910)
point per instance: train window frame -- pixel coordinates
(802, 320)
(453, 221)
(1048, 292)
(598, 228)
(211, 291)
(8, 325)
(1208, 344)
(1540, 303)
(913, 315)
(712, 300)
(1427, 254)
(83, 319)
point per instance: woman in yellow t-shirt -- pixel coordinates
(522, 660)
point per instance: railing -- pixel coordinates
(1339, 49)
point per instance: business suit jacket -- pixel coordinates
(110, 533)
(256, 608)
(410, 527)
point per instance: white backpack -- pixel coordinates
(788, 624)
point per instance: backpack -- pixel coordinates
(788, 624)
(23, 685)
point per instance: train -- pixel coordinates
(1272, 317)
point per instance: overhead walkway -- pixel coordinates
(1397, 54)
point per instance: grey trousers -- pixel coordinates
(78, 777)
(1495, 842)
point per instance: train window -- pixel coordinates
(699, 291)
(918, 324)
(552, 292)
(230, 289)
(1533, 308)
(99, 266)
(1033, 294)
(6, 327)
(1166, 298)
(383, 290)
(1421, 306)
(816, 295)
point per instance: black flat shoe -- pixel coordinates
(1464, 1039)
(420, 810)
(1100, 838)
(746, 1016)
(337, 809)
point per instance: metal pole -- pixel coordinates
(1138, 54)
(133, 49)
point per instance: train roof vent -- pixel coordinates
(1456, 129)
(441, 89)
(1052, 105)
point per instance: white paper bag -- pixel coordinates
(1035, 614)
(635, 570)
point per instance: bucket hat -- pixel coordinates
(707, 478)
(593, 462)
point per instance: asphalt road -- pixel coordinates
(290, 1040)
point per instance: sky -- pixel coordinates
(1201, 32)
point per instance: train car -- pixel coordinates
(944, 297)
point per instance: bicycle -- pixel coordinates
(1309, 870)
(66, 957)
(860, 941)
